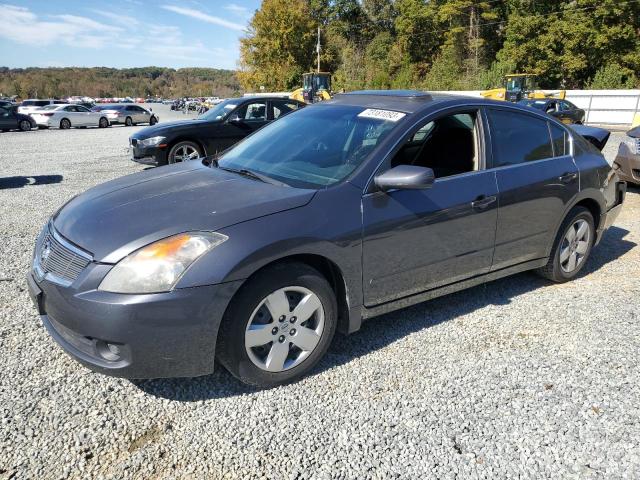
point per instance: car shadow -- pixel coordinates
(404, 322)
(19, 182)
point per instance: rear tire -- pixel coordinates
(103, 122)
(302, 341)
(153, 120)
(24, 125)
(65, 124)
(128, 122)
(572, 246)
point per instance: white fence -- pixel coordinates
(610, 107)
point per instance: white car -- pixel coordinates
(27, 107)
(68, 115)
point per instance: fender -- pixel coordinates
(332, 234)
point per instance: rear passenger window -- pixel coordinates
(518, 138)
(559, 138)
(282, 108)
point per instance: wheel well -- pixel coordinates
(591, 205)
(332, 273)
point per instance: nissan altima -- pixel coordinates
(335, 213)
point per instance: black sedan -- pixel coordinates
(563, 110)
(341, 211)
(214, 131)
(10, 119)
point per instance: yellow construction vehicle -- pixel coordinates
(316, 86)
(518, 86)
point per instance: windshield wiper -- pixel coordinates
(251, 174)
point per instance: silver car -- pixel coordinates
(127, 114)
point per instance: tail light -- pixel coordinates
(47, 114)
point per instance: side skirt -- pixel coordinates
(447, 289)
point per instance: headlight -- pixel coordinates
(633, 144)
(151, 142)
(158, 266)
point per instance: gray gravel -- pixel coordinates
(515, 379)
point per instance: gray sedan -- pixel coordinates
(127, 114)
(335, 213)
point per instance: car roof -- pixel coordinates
(407, 101)
(264, 97)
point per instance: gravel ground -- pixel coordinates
(515, 379)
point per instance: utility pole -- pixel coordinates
(318, 48)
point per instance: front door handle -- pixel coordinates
(482, 202)
(568, 177)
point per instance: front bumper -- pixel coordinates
(158, 335)
(148, 155)
(44, 121)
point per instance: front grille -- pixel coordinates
(59, 260)
(637, 152)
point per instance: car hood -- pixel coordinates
(162, 128)
(115, 218)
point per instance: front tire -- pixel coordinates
(278, 326)
(24, 125)
(183, 152)
(65, 124)
(128, 122)
(572, 246)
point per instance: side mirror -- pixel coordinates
(405, 177)
(235, 118)
(151, 109)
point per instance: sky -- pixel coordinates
(123, 33)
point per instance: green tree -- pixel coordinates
(279, 46)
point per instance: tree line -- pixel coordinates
(443, 44)
(111, 82)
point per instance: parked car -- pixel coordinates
(10, 119)
(627, 161)
(8, 104)
(216, 130)
(69, 115)
(338, 212)
(563, 110)
(31, 105)
(127, 115)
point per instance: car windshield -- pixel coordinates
(109, 107)
(221, 110)
(313, 147)
(539, 104)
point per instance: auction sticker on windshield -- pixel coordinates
(382, 114)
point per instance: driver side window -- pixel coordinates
(448, 145)
(253, 112)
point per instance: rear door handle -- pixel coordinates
(482, 202)
(568, 177)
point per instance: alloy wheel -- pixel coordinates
(284, 329)
(575, 246)
(25, 125)
(185, 153)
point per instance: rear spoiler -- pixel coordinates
(598, 137)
